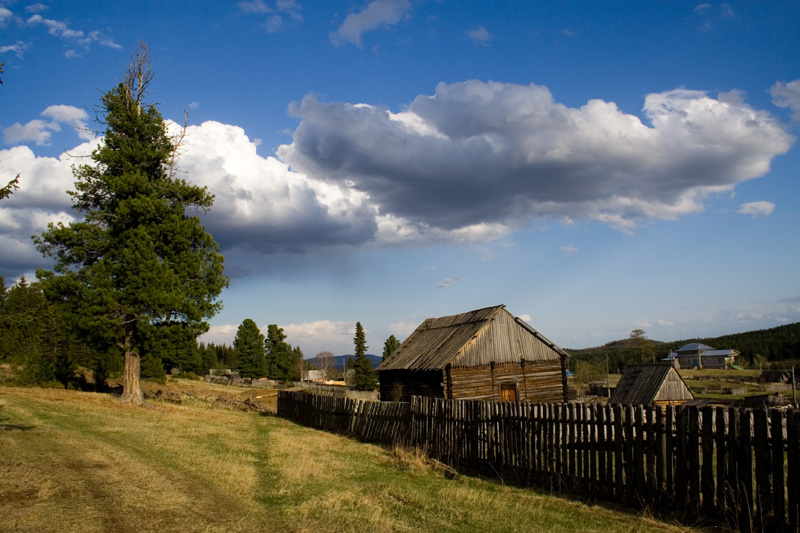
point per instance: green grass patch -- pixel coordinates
(73, 461)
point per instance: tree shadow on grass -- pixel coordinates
(7, 425)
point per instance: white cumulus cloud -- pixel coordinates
(40, 131)
(480, 35)
(320, 335)
(41, 198)
(787, 95)
(756, 209)
(261, 204)
(62, 30)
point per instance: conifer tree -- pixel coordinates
(281, 358)
(390, 345)
(137, 270)
(364, 377)
(249, 348)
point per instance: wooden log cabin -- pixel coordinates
(486, 354)
(651, 384)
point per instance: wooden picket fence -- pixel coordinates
(737, 465)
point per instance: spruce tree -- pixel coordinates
(249, 348)
(364, 377)
(281, 359)
(137, 271)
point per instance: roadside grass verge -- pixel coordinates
(73, 461)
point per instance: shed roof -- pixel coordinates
(645, 384)
(459, 340)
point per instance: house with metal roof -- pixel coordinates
(698, 355)
(651, 384)
(486, 354)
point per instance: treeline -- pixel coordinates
(776, 346)
(37, 339)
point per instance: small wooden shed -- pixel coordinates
(486, 354)
(653, 384)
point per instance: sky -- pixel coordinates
(597, 167)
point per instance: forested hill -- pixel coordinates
(776, 344)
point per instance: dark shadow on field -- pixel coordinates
(7, 425)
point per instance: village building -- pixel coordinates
(486, 354)
(775, 376)
(651, 384)
(699, 356)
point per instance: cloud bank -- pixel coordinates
(502, 154)
(473, 162)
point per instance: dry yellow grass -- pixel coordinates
(73, 461)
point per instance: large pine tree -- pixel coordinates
(138, 271)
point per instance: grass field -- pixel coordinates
(72, 461)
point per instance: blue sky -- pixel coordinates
(594, 166)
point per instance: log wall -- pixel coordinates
(539, 382)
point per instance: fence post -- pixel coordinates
(661, 451)
(778, 486)
(745, 471)
(638, 454)
(681, 474)
(692, 444)
(723, 483)
(793, 475)
(707, 480)
(761, 451)
(619, 460)
(630, 475)
(651, 450)
(571, 443)
(669, 450)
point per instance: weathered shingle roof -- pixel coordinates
(645, 384)
(460, 340)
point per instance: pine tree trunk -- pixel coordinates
(131, 389)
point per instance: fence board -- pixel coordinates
(638, 453)
(793, 475)
(669, 432)
(720, 431)
(745, 472)
(651, 449)
(761, 452)
(692, 442)
(778, 485)
(629, 485)
(707, 477)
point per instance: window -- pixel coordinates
(508, 392)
